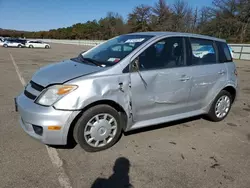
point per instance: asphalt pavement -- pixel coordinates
(192, 153)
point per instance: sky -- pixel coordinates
(35, 15)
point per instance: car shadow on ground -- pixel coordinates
(119, 178)
(72, 143)
(164, 125)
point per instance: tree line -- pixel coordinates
(228, 19)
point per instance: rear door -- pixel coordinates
(35, 44)
(162, 86)
(40, 44)
(208, 74)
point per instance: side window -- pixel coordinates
(203, 52)
(225, 54)
(117, 48)
(166, 53)
(127, 48)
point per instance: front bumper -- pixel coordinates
(34, 114)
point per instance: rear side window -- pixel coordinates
(203, 52)
(224, 52)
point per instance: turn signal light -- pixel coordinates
(54, 128)
(65, 89)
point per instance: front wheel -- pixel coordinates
(47, 46)
(5, 45)
(31, 46)
(221, 106)
(98, 128)
(19, 46)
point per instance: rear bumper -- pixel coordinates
(34, 114)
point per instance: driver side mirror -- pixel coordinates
(135, 65)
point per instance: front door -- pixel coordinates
(162, 85)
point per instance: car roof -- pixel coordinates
(159, 33)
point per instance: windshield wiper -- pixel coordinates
(89, 60)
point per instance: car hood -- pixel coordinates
(61, 72)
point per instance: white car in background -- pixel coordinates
(1, 41)
(36, 44)
(18, 43)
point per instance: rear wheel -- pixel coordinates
(221, 106)
(98, 128)
(5, 45)
(19, 46)
(47, 46)
(31, 46)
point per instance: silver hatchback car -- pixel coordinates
(129, 82)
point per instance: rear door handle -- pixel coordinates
(184, 78)
(221, 72)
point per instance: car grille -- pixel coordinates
(33, 90)
(36, 86)
(29, 95)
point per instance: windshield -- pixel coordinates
(116, 49)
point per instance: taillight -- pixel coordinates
(235, 72)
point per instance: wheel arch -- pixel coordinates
(232, 90)
(113, 104)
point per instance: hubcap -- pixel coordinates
(222, 106)
(100, 130)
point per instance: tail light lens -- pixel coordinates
(235, 72)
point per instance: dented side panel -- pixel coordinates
(159, 93)
(110, 87)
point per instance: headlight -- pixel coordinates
(54, 93)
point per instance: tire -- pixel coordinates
(89, 128)
(47, 46)
(213, 113)
(31, 46)
(19, 46)
(5, 45)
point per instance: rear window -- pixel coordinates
(203, 51)
(224, 52)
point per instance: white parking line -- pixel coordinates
(17, 70)
(53, 154)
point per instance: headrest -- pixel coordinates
(177, 51)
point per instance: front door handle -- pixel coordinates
(222, 72)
